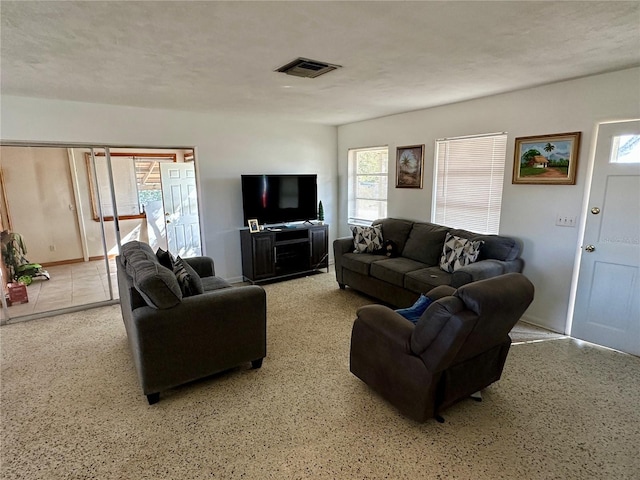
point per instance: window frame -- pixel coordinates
(352, 177)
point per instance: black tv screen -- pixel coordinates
(277, 199)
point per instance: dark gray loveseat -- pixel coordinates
(399, 281)
(175, 340)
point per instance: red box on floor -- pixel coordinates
(17, 293)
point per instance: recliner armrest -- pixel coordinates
(384, 322)
(440, 291)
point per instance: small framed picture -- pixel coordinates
(253, 225)
(546, 159)
(409, 166)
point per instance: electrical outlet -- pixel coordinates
(52, 248)
(565, 220)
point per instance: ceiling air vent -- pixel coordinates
(303, 67)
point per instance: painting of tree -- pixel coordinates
(409, 162)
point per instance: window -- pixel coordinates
(468, 182)
(136, 178)
(368, 181)
(625, 149)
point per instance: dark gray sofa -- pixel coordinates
(175, 340)
(399, 281)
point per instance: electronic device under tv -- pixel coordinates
(279, 199)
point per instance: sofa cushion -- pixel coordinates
(425, 243)
(458, 252)
(156, 284)
(423, 280)
(361, 262)
(392, 270)
(395, 229)
(188, 279)
(366, 239)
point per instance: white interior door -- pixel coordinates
(180, 199)
(607, 307)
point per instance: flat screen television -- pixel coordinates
(279, 199)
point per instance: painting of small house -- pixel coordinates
(548, 159)
(540, 161)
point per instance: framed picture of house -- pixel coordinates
(546, 159)
(409, 161)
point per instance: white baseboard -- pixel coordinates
(538, 322)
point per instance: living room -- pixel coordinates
(229, 143)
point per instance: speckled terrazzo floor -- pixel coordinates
(71, 408)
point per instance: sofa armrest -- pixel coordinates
(340, 247)
(512, 266)
(203, 266)
(477, 271)
(383, 322)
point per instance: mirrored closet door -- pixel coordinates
(65, 210)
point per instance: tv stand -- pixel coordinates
(280, 253)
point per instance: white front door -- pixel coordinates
(180, 198)
(607, 306)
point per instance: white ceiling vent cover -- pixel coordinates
(303, 67)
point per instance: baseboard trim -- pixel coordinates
(537, 322)
(74, 260)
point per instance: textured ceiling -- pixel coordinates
(221, 56)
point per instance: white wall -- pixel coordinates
(529, 211)
(226, 147)
(42, 210)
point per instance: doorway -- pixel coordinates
(607, 303)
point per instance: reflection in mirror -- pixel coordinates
(49, 200)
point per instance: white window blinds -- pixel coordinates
(469, 178)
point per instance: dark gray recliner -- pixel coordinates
(175, 340)
(458, 347)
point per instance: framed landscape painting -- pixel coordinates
(409, 162)
(546, 159)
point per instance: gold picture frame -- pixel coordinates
(546, 159)
(409, 166)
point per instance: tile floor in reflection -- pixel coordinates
(69, 286)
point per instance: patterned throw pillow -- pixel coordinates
(189, 281)
(458, 252)
(367, 239)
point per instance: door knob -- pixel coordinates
(168, 221)
(595, 210)
(589, 248)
